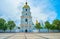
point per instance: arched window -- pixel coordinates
(26, 13)
(26, 9)
(26, 20)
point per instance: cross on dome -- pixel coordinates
(26, 6)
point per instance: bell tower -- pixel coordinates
(26, 19)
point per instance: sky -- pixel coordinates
(42, 10)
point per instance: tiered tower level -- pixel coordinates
(26, 19)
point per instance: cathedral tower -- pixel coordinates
(26, 19)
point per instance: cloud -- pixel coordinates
(43, 10)
(40, 9)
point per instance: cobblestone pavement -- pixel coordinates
(29, 35)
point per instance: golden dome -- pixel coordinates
(37, 22)
(26, 6)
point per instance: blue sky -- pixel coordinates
(41, 10)
(56, 4)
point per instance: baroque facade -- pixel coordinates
(26, 19)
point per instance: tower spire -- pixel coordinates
(26, 2)
(37, 21)
(26, 5)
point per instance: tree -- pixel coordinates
(2, 22)
(47, 25)
(53, 27)
(5, 27)
(11, 25)
(38, 26)
(56, 23)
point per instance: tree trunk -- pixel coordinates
(39, 30)
(48, 30)
(4, 30)
(53, 30)
(59, 30)
(10, 30)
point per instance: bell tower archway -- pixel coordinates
(26, 30)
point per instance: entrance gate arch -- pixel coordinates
(26, 30)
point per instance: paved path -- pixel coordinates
(29, 35)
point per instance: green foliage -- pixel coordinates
(38, 26)
(47, 25)
(56, 23)
(2, 21)
(5, 27)
(54, 26)
(11, 25)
